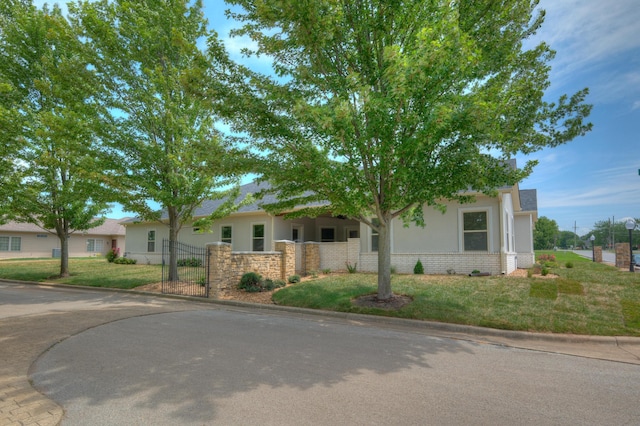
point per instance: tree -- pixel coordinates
(568, 239)
(54, 159)
(545, 234)
(383, 107)
(608, 233)
(164, 93)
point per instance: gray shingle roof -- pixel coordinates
(529, 200)
(109, 227)
(528, 203)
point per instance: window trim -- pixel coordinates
(95, 241)
(373, 233)
(264, 236)
(300, 229)
(348, 229)
(155, 238)
(222, 239)
(321, 228)
(10, 239)
(488, 210)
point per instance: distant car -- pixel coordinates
(636, 262)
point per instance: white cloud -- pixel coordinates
(590, 35)
(615, 186)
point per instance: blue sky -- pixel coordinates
(591, 178)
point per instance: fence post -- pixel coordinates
(312, 257)
(288, 265)
(219, 267)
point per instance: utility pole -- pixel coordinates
(575, 227)
(613, 233)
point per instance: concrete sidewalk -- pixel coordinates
(24, 338)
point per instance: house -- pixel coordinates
(19, 240)
(494, 234)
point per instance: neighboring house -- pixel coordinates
(494, 234)
(28, 240)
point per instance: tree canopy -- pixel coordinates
(53, 168)
(545, 234)
(165, 94)
(383, 107)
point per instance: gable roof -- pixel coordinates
(529, 200)
(109, 227)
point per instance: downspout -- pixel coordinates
(272, 245)
(503, 252)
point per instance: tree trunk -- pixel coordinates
(173, 242)
(63, 235)
(384, 261)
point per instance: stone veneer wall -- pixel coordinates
(227, 267)
(597, 254)
(623, 257)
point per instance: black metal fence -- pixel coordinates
(189, 273)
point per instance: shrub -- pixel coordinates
(393, 269)
(544, 271)
(326, 271)
(268, 284)
(190, 261)
(544, 258)
(352, 268)
(125, 261)
(418, 269)
(569, 265)
(112, 255)
(294, 279)
(251, 282)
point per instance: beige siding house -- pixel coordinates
(19, 240)
(494, 234)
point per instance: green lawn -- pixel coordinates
(587, 298)
(94, 272)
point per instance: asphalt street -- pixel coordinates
(115, 358)
(224, 367)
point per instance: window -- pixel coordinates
(375, 237)
(226, 234)
(476, 231)
(327, 235)
(151, 241)
(258, 237)
(10, 243)
(94, 245)
(352, 233)
(297, 233)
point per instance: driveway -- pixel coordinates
(126, 359)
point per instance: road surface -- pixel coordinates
(219, 366)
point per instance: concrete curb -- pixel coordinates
(458, 329)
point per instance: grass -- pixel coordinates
(93, 272)
(589, 298)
